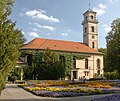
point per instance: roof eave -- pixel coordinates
(93, 53)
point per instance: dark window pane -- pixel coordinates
(86, 63)
(92, 29)
(74, 62)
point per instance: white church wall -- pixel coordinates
(92, 66)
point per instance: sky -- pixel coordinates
(61, 19)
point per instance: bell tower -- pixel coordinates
(90, 29)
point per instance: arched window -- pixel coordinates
(92, 29)
(29, 60)
(93, 45)
(85, 30)
(74, 62)
(91, 16)
(62, 59)
(98, 72)
(98, 66)
(98, 63)
(86, 63)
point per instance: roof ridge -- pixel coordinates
(60, 40)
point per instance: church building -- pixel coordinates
(87, 67)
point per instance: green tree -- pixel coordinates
(15, 74)
(45, 65)
(5, 7)
(28, 72)
(104, 50)
(111, 75)
(11, 40)
(113, 47)
(113, 32)
(50, 67)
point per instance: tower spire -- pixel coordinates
(89, 5)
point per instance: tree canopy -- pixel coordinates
(113, 47)
(103, 50)
(46, 66)
(5, 6)
(11, 40)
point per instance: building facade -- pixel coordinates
(94, 64)
(90, 29)
(87, 67)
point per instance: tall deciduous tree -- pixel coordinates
(45, 65)
(104, 50)
(113, 47)
(49, 67)
(11, 40)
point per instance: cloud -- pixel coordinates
(51, 28)
(29, 23)
(100, 9)
(64, 34)
(102, 6)
(34, 29)
(69, 30)
(34, 34)
(112, 1)
(47, 27)
(106, 28)
(41, 14)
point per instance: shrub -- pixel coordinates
(13, 78)
(111, 75)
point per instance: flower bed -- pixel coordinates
(114, 97)
(58, 94)
(93, 84)
(60, 88)
(61, 92)
(45, 83)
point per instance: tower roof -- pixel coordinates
(90, 11)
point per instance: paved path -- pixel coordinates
(14, 93)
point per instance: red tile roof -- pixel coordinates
(58, 45)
